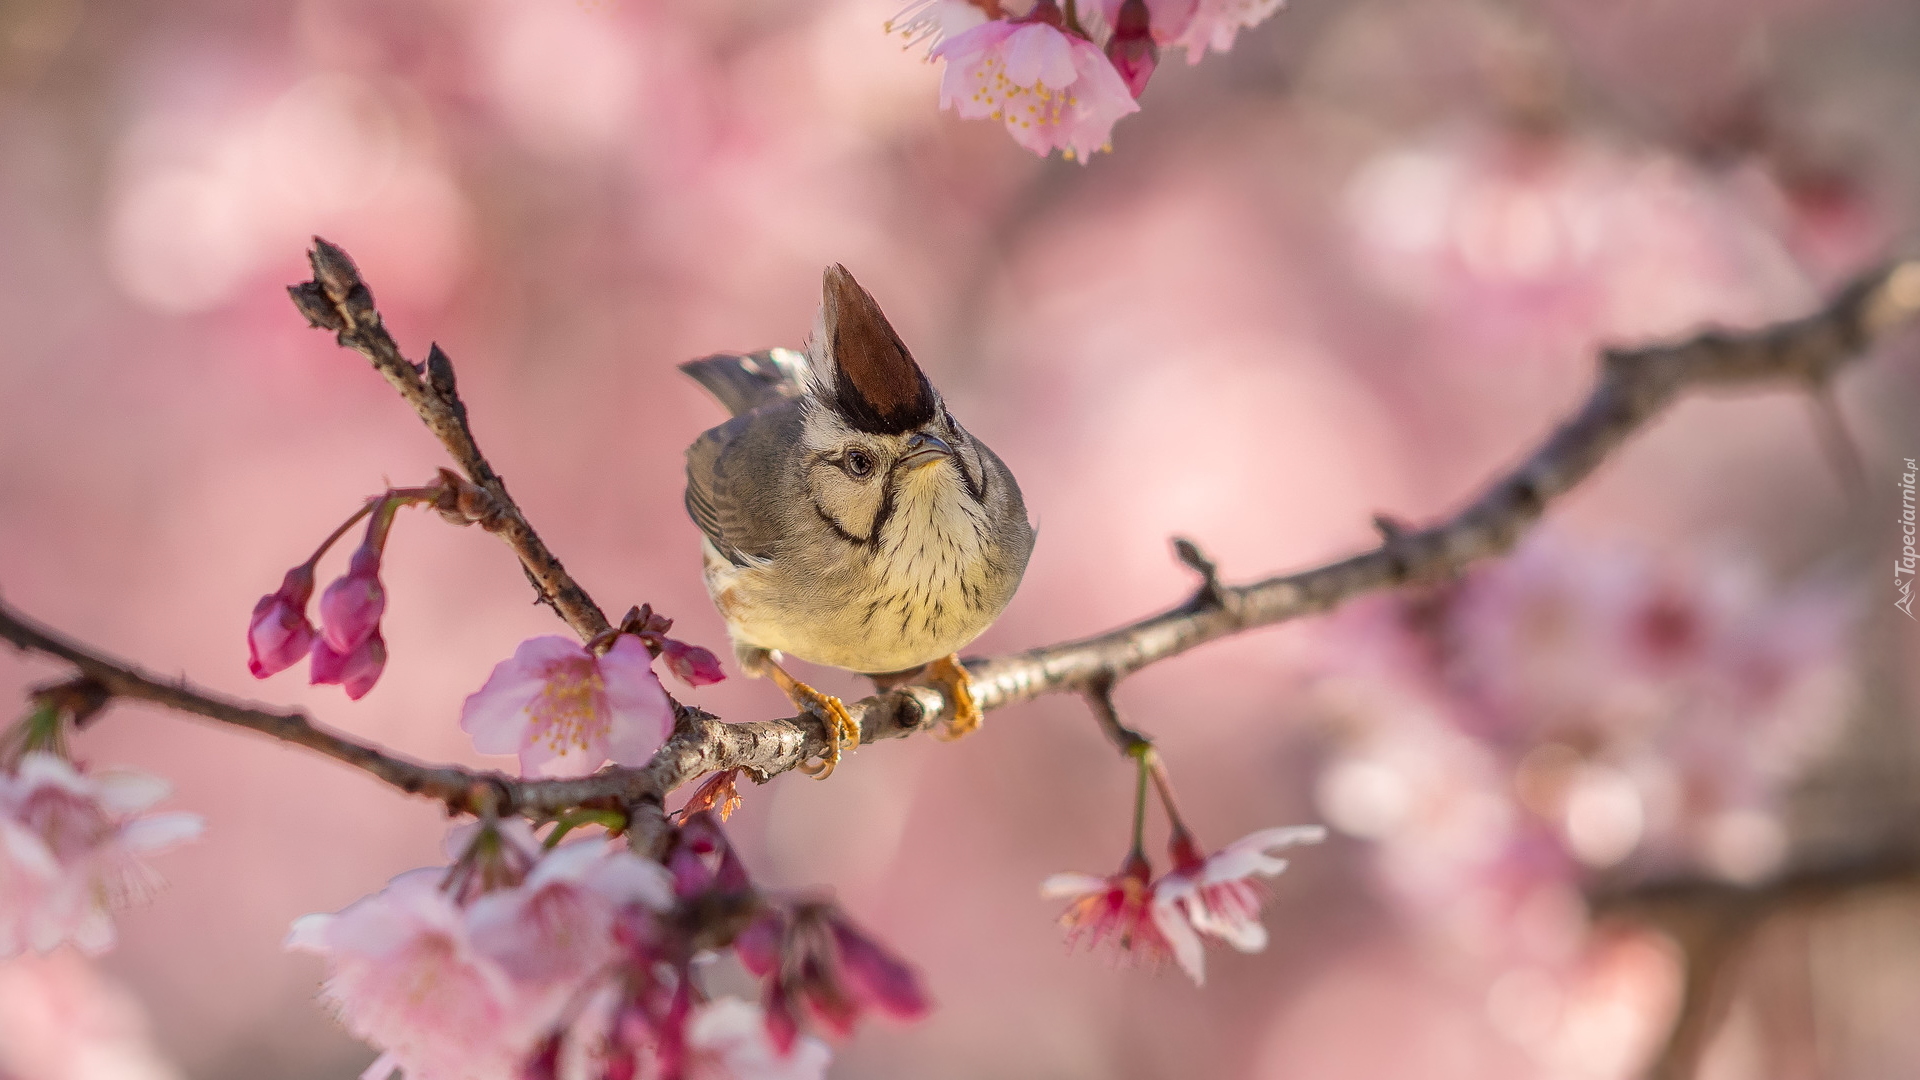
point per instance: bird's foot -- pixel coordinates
(842, 732)
(952, 678)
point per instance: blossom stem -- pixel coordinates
(39, 730)
(393, 498)
(1162, 784)
(612, 820)
(1139, 852)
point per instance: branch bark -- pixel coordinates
(338, 299)
(1632, 387)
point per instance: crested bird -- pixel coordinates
(848, 519)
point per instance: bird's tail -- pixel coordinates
(744, 383)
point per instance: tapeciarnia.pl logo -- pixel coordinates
(1903, 567)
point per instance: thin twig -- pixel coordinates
(338, 299)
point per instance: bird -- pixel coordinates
(847, 518)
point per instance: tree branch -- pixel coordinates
(1632, 387)
(338, 299)
(1713, 922)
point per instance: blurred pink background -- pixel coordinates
(1353, 267)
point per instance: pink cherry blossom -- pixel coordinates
(1126, 911)
(565, 711)
(351, 607)
(405, 975)
(727, 1039)
(557, 926)
(1216, 23)
(280, 635)
(1216, 892)
(70, 851)
(355, 670)
(1051, 88)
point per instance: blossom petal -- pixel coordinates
(1248, 855)
(642, 714)
(1037, 54)
(1187, 950)
(1071, 885)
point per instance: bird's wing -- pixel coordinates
(733, 475)
(745, 383)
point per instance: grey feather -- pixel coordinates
(731, 495)
(744, 383)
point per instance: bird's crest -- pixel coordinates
(875, 383)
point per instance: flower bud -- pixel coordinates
(351, 607)
(355, 670)
(691, 664)
(1131, 48)
(280, 634)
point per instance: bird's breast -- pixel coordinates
(929, 584)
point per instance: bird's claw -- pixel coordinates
(964, 716)
(843, 733)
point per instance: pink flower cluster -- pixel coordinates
(579, 962)
(1060, 79)
(347, 649)
(1212, 896)
(1570, 708)
(71, 848)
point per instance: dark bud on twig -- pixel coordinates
(1393, 540)
(311, 298)
(440, 372)
(334, 270)
(1196, 560)
(340, 281)
(462, 502)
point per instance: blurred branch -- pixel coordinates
(1633, 386)
(1713, 922)
(338, 299)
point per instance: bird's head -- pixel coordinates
(877, 440)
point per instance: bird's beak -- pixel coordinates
(925, 450)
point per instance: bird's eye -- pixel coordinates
(858, 463)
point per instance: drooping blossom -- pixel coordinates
(1217, 893)
(565, 710)
(1053, 89)
(350, 650)
(406, 976)
(280, 635)
(354, 671)
(1127, 912)
(351, 608)
(71, 848)
(819, 965)
(463, 971)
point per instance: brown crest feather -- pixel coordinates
(877, 386)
